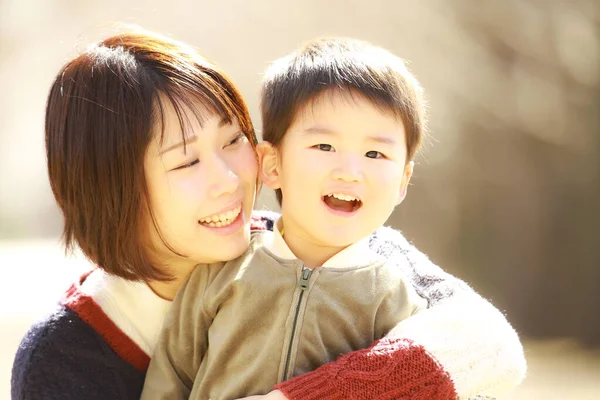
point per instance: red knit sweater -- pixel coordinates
(389, 369)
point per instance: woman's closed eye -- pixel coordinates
(187, 165)
(241, 138)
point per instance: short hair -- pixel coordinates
(101, 115)
(346, 64)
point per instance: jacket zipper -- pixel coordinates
(306, 273)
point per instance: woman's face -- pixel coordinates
(202, 193)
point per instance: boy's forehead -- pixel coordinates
(333, 103)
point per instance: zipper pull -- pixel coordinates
(306, 273)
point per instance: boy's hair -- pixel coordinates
(103, 110)
(345, 64)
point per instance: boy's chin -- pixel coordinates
(341, 238)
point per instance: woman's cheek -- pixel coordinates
(246, 163)
(188, 192)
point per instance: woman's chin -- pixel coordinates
(231, 247)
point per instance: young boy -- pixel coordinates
(342, 123)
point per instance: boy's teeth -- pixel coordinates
(344, 197)
(223, 219)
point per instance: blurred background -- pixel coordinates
(506, 194)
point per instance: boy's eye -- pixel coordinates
(324, 147)
(374, 154)
(188, 165)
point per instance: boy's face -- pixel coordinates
(341, 168)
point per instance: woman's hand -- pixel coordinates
(274, 395)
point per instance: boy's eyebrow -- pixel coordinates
(384, 139)
(319, 129)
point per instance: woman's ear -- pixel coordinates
(408, 171)
(268, 165)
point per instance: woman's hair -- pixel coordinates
(103, 110)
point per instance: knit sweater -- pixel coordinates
(79, 352)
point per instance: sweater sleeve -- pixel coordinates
(460, 346)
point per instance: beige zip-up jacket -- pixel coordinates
(237, 328)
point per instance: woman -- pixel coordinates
(151, 159)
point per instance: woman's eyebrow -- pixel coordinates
(191, 139)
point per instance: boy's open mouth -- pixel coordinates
(342, 202)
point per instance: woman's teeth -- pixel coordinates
(223, 219)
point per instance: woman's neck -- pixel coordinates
(168, 289)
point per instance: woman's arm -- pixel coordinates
(459, 347)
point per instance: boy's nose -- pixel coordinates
(348, 171)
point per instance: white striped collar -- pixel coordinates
(357, 254)
(132, 306)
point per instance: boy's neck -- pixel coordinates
(304, 247)
(312, 256)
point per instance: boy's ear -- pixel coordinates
(408, 171)
(268, 165)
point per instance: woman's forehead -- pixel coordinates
(175, 120)
(179, 129)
